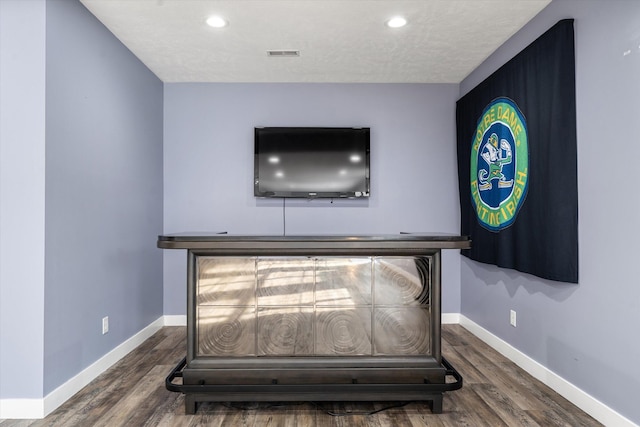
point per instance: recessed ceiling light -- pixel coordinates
(396, 22)
(216, 21)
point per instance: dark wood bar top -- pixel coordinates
(213, 240)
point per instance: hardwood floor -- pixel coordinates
(495, 393)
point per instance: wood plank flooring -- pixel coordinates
(495, 393)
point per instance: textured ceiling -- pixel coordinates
(339, 40)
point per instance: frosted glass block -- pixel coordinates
(226, 331)
(343, 281)
(285, 331)
(401, 331)
(343, 331)
(401, 281)
(285, 281)
(226, 281)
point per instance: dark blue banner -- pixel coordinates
(517, 161)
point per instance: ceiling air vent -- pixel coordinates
(283, 53)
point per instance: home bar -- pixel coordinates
(313, 318)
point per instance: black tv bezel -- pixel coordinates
(312, 194)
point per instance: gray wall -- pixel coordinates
(103, 192)
(585, 333)
(208, 165)
(22, 188)
(81, 194)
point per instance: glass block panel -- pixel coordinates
(226, 281)
(300, 306)
(343, 331)
(402, 281)
(401, 331)
(343, 281)
(285, 331)
(285, 281)
(226, 331)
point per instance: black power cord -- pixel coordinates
(284, 218)
(257, 406)
(346, 414)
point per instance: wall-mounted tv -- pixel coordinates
(310, 162)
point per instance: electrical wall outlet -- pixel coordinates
(105, 325)
(512, 318)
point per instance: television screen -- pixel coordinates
(311, 162)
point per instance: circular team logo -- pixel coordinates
(499, 164)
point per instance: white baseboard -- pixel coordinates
(40, 408)
(60, 395)
(450, 318)
(21, 408)
(175, 320)
(578, 397)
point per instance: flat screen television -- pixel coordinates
(311, 162)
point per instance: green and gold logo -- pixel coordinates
(499, 164)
